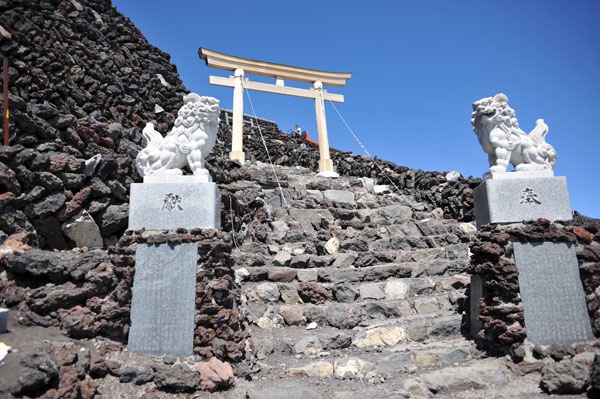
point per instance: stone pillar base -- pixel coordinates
(325, 165)
(238, 156)
(157, 206)
(515, 200)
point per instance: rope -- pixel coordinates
(283, 201)
(369, 155)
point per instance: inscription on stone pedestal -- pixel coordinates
(552, 294)
(517, 200)
(163, 301)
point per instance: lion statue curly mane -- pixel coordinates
(189, 142)
(499, 134)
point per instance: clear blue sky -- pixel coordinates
(417, 66)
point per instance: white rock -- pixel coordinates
(341, 196)
(316, 369)
(158, 109)
(311, 326)
(354, 366)
(241, 275)
(162, 80)
(282, 258)
(452, 176)
(82, 229)
(333, 246)
(396, 289)
(381, 189)
(468, 228)
(382, 336)
(304, 275)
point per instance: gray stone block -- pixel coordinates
(552, 293)
(476, 293)
(163, 301)
(173, 205)
(518, 200)
(3, 320)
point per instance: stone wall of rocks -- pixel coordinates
(501, 310)
(82, 82)
(89, 294)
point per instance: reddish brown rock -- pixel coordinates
(65, 353)
(283, 275)
(75, 204)
(64, 162)
(18, 242)
(78, 322)
(314, 293)
(215, 374)
(583, 234)
(293, 315)
(5, 198)
(100, 367)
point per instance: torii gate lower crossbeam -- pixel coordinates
(280, 72)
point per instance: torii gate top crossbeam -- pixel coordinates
(229, 62)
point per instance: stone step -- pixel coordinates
(351, 275)
(398, 318)
(349, 315)
(472, 379)
(301, 255)
(392, 289)
(308, 356)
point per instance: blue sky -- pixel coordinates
(417, 66)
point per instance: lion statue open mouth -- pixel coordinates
(189, 142)
(499, 134)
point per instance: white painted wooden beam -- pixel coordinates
(270, 88)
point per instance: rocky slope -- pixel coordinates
(329, 288)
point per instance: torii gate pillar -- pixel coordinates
(325, 163)
(237, 130)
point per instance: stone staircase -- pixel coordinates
(353, 287)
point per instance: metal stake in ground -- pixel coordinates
(5, 35)
(6, 113)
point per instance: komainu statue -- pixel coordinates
(189, 142)
(499, 134)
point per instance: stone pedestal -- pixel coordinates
(515, 197)
(183, 204)
(164, 287)
(163, 299)
(552, 294)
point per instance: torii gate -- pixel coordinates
(240, 66)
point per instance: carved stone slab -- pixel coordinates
(518, 200)
(163, 301)
(172, 205)
(475, 296)
(552, 294)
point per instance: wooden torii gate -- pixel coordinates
(240, 66)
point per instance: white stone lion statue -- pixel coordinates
(499, 134)
(189, 142)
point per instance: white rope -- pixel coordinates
(369, 155)
(284, 202)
